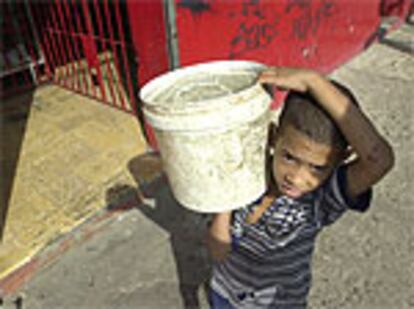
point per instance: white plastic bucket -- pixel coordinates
(211, 121)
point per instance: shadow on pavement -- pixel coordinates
(186, 228)
(14, 114)
(403, 46)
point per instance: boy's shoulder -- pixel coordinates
(325, 204)
(332, 200)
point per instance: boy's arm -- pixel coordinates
(219, 237)
(375, 155)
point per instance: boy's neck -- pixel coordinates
(273, 191)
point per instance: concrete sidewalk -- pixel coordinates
(150, 253)
(60, 154)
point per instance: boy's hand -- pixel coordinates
(287, 78)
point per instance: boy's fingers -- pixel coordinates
(268, 78)
(275, 82)
(274, 75)
(269, 72)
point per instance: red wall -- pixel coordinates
(320, 34)
(146, 19)
(148, 32)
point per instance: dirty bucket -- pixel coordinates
(210, 121)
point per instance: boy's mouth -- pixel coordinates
(290, 191)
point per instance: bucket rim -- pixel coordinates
(146, 93)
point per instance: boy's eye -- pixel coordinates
(317, 168)
(288, 157)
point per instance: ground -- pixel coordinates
(152, 255)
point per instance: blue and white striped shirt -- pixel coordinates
(270, 262)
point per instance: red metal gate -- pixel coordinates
(88, 49)
(104, 49)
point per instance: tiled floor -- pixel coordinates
(61, 153)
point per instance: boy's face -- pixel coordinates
(301, 165)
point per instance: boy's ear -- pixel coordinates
(271, 140)
(272, 135)
(273, 130)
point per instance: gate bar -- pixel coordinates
(83, 86)
(62, 54)
(90, 35)
(124, 57)
(106, 55)
(80, 30)
(111, 35)
(74, 77)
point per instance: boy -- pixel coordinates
(263, 252)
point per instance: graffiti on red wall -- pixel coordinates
(256, 30)
(259, 27)
(308, 16)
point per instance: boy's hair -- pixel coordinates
(303, 112)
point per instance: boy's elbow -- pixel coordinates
(220, 255)
(382, 160)
(388, 158)
(219, 250)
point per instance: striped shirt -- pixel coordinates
(270, 262)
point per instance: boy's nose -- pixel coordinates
(296, 178)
